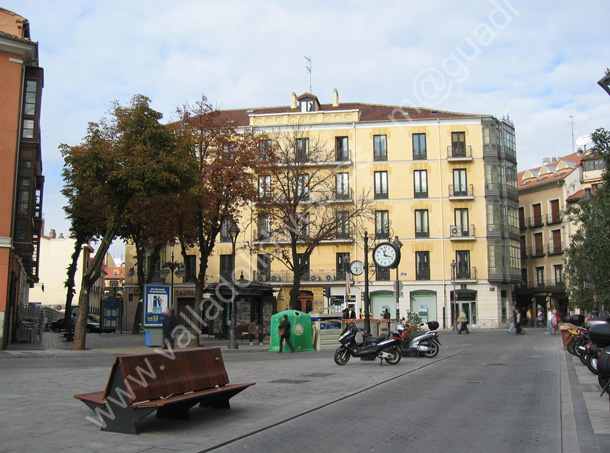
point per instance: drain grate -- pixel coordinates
(289, 381)
(318, 375)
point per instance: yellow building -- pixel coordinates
(444, 183)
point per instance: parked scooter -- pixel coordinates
(385, 347)
(422, 342)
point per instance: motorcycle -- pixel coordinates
(385, 347)
(424, 342)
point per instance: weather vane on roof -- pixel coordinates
(309, 70)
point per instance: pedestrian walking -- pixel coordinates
(517, 320)
(255, 330)
(549, 321)
(555, 321)
(169, 323)
(463, 320)
(529, 317)
(284, 329)
(512, 326)
(352, 313)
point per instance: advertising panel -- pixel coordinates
(156, 302)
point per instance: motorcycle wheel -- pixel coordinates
(571, 346)
(592, 364)
(433, 352)
(602, 379)
(584, 357)
(396, 356)
(341, 356)
(578, 352)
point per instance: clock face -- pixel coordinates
(385, 255)
(356, 267)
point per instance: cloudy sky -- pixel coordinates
(537, 62)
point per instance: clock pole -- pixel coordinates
(367, 308)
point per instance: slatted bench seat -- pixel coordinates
(169, 383)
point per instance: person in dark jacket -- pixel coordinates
(284, 329)
(169, 324)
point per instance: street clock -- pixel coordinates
(356, 267)
(386, 255)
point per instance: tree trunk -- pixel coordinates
(70, 283)
(140, 256)
(93, 273)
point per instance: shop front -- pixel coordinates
(466, 299)
(423, 303)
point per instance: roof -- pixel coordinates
(550, 172)
(368, 112)
(577, 196)
(110, 272)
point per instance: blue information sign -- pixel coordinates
(156, 302)
(111, 313)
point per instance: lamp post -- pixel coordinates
(398, 244)
(604, 82)
(367, 308)
(454, 303)
(171, 267)
(233, 232)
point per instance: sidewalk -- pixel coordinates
(53, 344)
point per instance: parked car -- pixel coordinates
(93, 325)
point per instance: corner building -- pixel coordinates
(443, 182)
(21, 180)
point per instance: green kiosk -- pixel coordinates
(300, 332)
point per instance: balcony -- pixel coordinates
(523, 253)
(555, 248)
(459, 154)
(343, 194)
(536, 251)
(553, 218)
(536, 221)
(466, 274)
(343, 155)
(461, 233)
(522, 224)
(461, 192)
(544, 285)
(314, 276)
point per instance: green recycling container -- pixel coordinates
(300, 331)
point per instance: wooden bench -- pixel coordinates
(167, 382)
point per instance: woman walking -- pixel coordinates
(284, 329)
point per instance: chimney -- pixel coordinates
(546, 161)
(293, 104)
(51, 234)
(61, 236)
(335, 98)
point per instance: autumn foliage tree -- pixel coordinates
(305, 199)
(128, 156)
(226, 162)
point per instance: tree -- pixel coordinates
(128, 156)
(304, 199)
(226, 162)
(586, 257)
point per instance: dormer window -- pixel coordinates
(308, 103)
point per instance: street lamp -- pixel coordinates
(605, 82)
(233, 232)
(398, 244)
(171, 267)
(454, 303)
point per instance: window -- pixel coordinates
(226, 223)
(540, 276)
(341, 149)
(590, 165)
(524, 277)
(342, 265)
(522, 224)
(382, 274)
(28, 129)
(263, 266)
(303, 224)
(420, 180)
(190, 268)
(419, 147)
(556, 244)
(29, 107)
(226, 267)
(343, 225)
(458, 144)
(538, 247)
(537, 217)
(523, 247)
(380, 149)
(381, 185)
(264, 186)
(460, 186)
(558, 269)
(264, 228)
(303, 264)
(461, 222)
(422, 265)
(302, 149)
(421, 223)
(23, 200)
(382, 224)
(265, 145)
(555, 217)
(306, 105)
(303, 187)
(462, 260)
(342, 186)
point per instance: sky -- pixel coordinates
(537, 62)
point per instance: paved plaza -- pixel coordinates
(486, 391)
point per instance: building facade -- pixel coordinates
(21, 180)
(444, 183)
